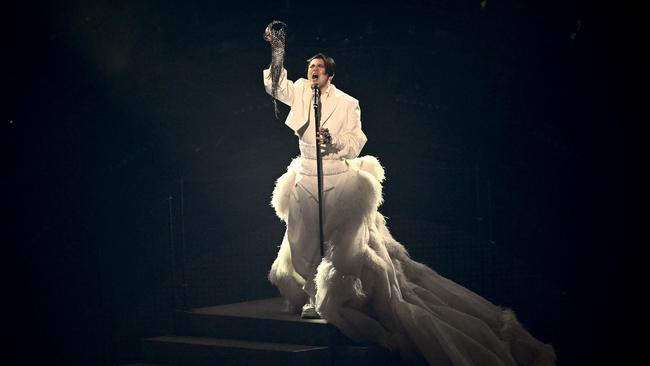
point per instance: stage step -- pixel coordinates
(260, 320)
(199, 351)
(258, 332)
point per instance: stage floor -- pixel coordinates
(272, 309)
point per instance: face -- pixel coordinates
(316, 73)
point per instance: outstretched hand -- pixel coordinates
(267, 33)
(275, 25)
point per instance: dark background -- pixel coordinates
(140, 151)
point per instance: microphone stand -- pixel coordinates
(319, 167)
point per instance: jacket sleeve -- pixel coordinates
(285, 87)
(349, 142)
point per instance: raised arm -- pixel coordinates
(285, 86)
(276, 76)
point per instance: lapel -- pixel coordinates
(330, 105)
(298, 121)
(306, 101)
(300, 109)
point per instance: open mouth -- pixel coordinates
(314, 77)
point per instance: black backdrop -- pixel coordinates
(140, 151)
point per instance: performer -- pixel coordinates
(342, 138)
(366, 284)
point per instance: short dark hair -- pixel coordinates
(330, 64)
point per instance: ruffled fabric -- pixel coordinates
(369, 287)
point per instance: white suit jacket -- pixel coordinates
(340, 114)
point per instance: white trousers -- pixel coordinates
(303, 226)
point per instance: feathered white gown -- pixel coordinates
(369, 287)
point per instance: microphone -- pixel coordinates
(316, 90)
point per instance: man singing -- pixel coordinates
(366, 284)
(340, 137)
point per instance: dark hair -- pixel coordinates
(330, 65)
